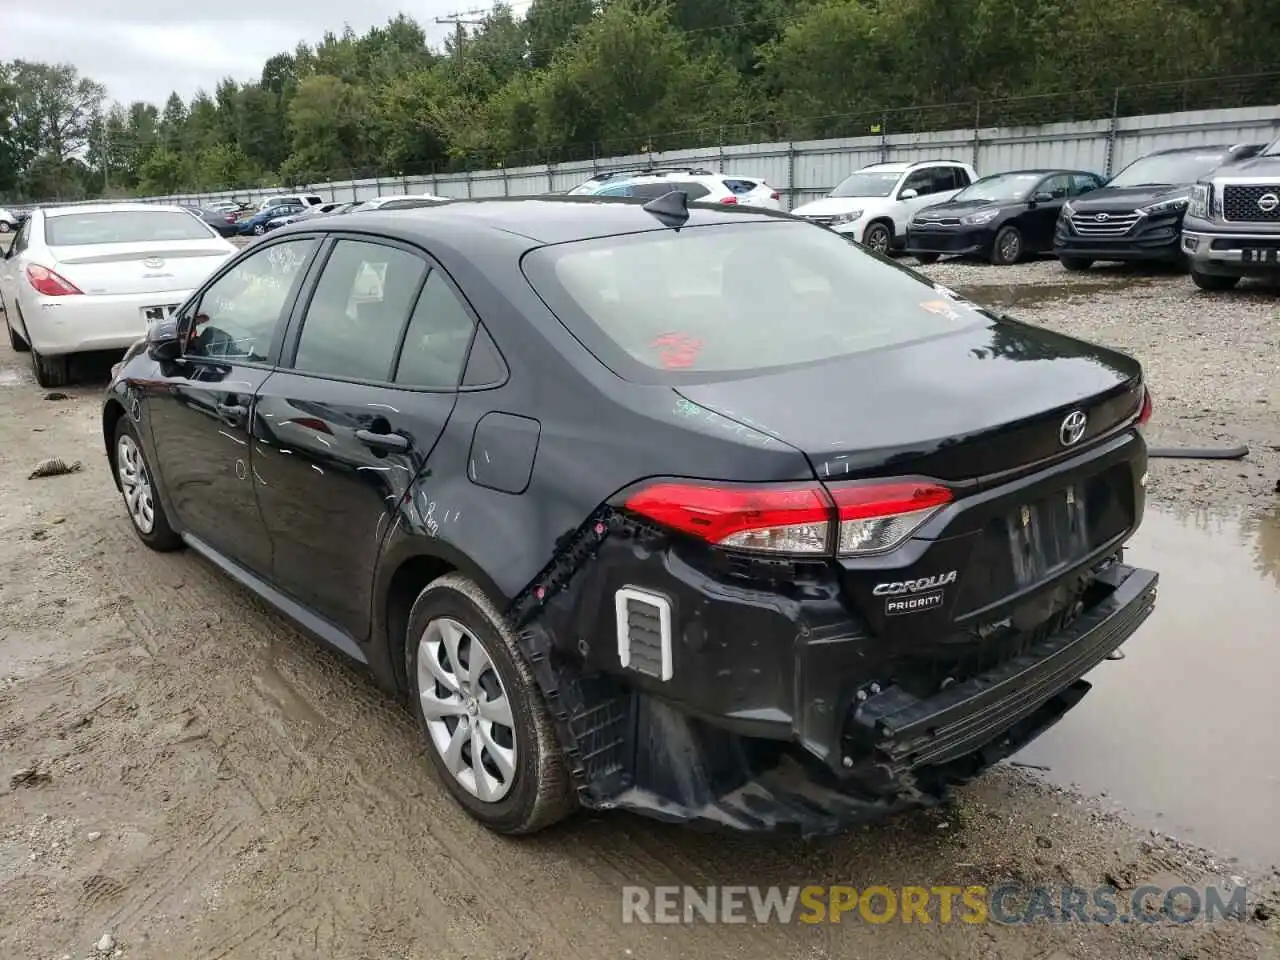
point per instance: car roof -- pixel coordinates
(1043, 171)
(550, 219)
(1201, 148)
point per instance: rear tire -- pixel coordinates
(1007, 248)
(138, 487)
(1075, 264)
(1213, 281)
(5, 226)
(259, 229)
(525, 784)
(50, 371)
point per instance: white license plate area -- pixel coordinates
(151, 314)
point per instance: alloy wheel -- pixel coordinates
(878, 239)
(466, 708)
(135, 482)
(1010, 247)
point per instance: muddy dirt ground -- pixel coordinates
(186, 776)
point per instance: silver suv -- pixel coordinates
(1232, 225)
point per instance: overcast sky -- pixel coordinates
(143, 49)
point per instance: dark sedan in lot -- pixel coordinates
(1138, 215)
(1002, 218)
(706, 514)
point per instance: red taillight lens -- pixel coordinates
(866, 517)
(775, 195)
(774, 519)
(45, 281)
(1147, 408)
(878, 515)
(730, 199)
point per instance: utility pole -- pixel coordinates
(459, 21)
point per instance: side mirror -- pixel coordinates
(1042, 196)
(909, 194)
(163, 342)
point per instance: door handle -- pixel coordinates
(382, 441)
(232, 414)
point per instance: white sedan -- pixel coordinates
(92, 276)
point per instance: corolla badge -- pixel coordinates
(153, 263)
(1268, 202)
(1072, 428)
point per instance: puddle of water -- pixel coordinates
(1032, 295)
(1183, 732)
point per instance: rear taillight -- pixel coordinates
(1144, 414)
(806, 519)
(44, 281)
(879, 515)
(775, 195)
(730, 199)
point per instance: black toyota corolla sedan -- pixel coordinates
(701, 513)
(1003, 218)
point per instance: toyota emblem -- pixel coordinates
(153, 263)
(1103, 217)
(1072, 428)
(1268, 202)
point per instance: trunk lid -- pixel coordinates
(983, 402)
(130, 268)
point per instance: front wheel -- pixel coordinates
(5, 226)
(1213, 281)
(137, 485)
(259, 229)
(19, 345)
(878, 237)
(489, 734)
(1075, 264)
(1007, 248)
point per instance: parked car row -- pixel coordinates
(935, 208)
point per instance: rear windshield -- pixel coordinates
(122, 226)
(735, 299)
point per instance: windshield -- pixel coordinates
(1004, 186)
(1272, 149)
(735, 298)
(867, 183)
(1168, 168)
(123, 226)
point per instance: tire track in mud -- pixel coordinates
(459, 880)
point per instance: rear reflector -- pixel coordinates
(730, 199)
(47, 283)
(807, 519)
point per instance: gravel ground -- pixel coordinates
(182, 775)
(1212, 360)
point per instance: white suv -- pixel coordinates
(874, 205)
(8, 221)
(302, 199)
(701, 185)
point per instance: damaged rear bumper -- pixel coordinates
(895, 750)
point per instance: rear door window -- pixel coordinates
(735, 298)
(435, 346)
(358, 311)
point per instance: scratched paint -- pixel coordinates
(716, 421)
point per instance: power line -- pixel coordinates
(458, 21)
